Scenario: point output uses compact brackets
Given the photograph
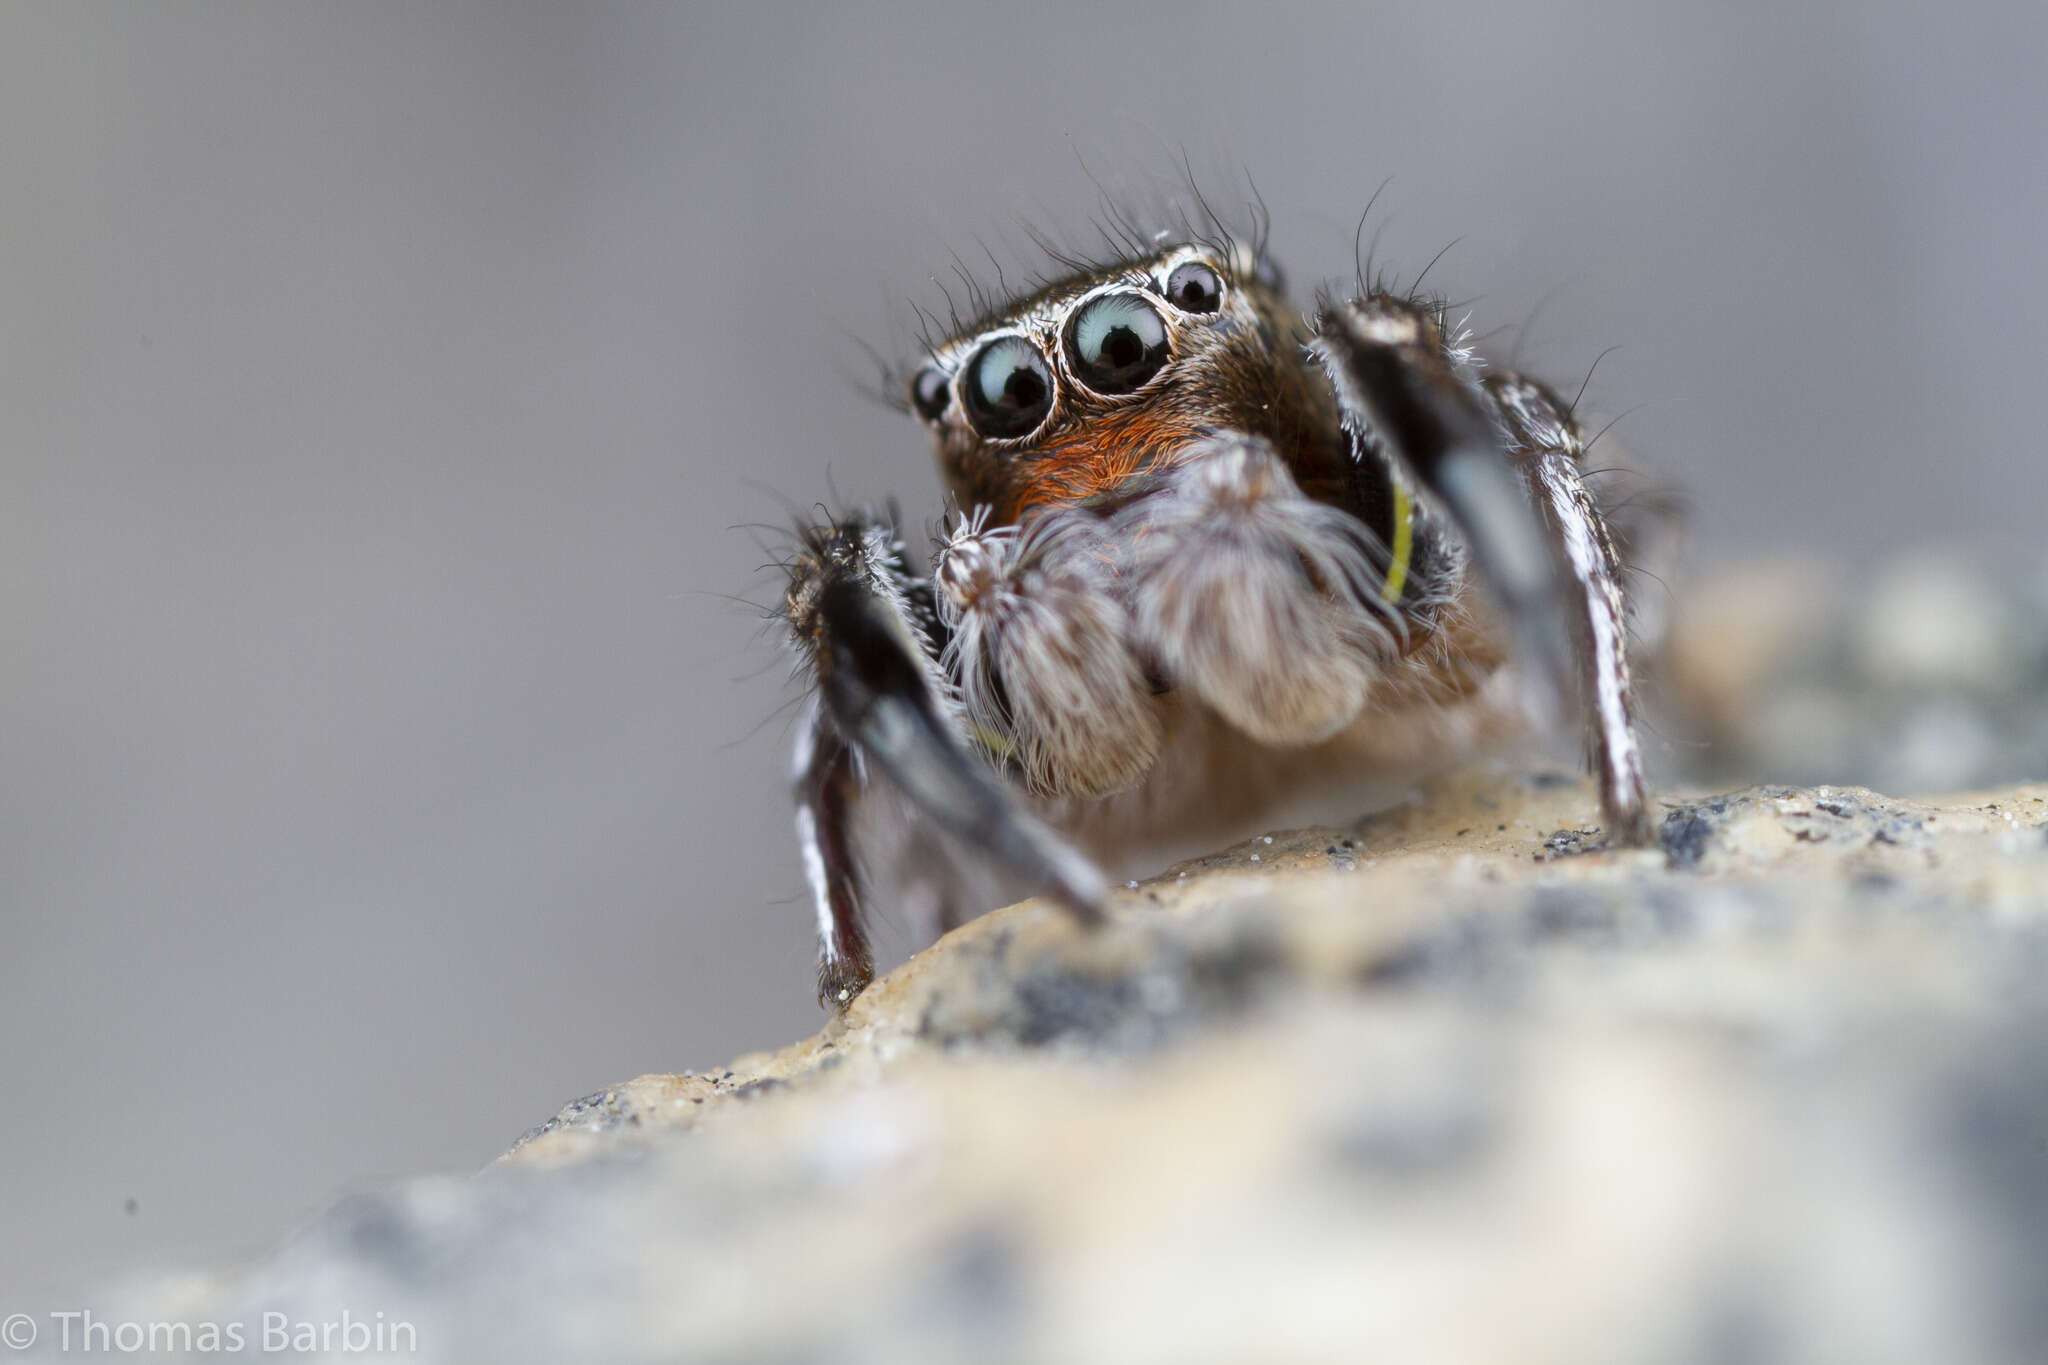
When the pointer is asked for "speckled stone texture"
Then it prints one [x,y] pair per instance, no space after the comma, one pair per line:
[1457,1083]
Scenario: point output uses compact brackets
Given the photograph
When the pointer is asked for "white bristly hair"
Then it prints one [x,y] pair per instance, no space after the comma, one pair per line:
[1041,650]
[1261,601]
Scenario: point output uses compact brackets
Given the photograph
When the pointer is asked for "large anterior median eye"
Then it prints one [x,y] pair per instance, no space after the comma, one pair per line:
[1008,388]
[1116,343]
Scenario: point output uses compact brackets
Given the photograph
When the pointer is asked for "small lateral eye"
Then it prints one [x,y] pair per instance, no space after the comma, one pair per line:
[1008,389]
[1194,288]
[931,393]
[1116,342]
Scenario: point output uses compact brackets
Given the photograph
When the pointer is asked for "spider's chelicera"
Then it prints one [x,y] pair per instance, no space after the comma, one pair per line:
[1210,558]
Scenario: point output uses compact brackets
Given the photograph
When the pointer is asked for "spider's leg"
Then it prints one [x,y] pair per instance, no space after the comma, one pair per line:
[1548,446]
[862,626]
[826,789]
[1401,389]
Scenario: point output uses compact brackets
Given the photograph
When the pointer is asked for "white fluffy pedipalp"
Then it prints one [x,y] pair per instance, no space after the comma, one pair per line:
[1041,651]
[1259,600]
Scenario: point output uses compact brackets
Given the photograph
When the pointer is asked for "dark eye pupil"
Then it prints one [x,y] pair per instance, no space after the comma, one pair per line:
[1116,343]
[1009,389]
[1122,348]
[1194,288]
[1023,389]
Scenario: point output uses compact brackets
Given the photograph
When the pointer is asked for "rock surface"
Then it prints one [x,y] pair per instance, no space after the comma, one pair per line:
[1454,1084]
[1457,1083]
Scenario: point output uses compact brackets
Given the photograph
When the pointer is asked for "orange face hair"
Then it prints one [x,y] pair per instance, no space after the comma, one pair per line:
[1096,460]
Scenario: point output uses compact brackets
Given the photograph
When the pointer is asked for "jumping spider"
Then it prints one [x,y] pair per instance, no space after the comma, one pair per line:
[1208,556]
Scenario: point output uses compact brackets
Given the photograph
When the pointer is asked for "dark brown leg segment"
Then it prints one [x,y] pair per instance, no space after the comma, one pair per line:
[864,630]
[1502,458]
[1549,446]
[826,789]
[1402,392]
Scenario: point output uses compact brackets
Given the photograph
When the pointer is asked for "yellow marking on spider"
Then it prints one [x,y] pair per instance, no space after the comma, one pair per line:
[995,743]
[1404,544]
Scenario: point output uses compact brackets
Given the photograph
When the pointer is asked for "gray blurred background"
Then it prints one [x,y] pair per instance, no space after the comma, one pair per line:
[379,383]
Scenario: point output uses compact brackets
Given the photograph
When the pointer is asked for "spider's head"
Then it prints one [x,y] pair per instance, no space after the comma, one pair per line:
[1069,395]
